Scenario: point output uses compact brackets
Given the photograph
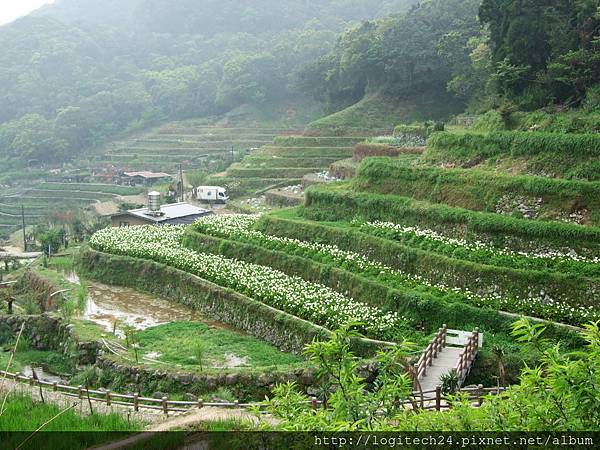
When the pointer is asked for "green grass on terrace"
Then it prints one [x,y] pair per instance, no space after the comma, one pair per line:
[273,173]
[177,343]
[266,161]
[52,362]
[26,415]
[90,187]
[317,141]
[306,152]
[67,194]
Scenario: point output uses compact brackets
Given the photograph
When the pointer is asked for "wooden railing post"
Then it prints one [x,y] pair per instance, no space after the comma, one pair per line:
[416,368]
[55,386]
[200,403]
[31,381]
[80,392]
[479,394]
[313,403]
[136,401]
[165,406]
[438,398]
[108,397]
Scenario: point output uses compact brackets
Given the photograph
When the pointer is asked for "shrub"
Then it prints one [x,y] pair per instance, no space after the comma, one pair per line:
[490,121]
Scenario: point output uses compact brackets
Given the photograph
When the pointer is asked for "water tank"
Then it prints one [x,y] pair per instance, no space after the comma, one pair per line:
[154,202]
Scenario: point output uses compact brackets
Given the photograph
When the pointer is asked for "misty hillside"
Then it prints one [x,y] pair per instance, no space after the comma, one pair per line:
[210,17]
[75,73]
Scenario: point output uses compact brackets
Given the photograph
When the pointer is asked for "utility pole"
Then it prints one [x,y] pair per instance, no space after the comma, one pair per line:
[24,233]
[181,181]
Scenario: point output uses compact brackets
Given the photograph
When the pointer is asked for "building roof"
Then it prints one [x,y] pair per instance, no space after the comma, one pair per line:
[147,175]
[175,213]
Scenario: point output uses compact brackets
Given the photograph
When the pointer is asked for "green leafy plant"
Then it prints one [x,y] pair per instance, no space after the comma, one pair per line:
[199,351]
[450,382]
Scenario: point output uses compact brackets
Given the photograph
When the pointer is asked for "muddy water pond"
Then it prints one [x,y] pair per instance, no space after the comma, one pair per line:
[107,304]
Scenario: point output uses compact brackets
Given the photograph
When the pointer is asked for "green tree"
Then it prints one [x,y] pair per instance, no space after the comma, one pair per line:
[51,241]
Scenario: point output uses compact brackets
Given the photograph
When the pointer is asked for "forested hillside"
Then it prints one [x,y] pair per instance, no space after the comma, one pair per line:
[76,73]
[486,53]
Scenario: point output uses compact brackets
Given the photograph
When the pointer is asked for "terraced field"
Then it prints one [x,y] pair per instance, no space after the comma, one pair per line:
[286,161]
[466,245]
[190,144]
[403,247]
[45,198]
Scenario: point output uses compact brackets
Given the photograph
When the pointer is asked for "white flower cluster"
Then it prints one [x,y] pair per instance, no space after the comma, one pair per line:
[402,230]
[294,295]
[239,227]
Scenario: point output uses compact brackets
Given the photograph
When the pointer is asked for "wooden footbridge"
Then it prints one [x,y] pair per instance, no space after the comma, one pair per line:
[448,350]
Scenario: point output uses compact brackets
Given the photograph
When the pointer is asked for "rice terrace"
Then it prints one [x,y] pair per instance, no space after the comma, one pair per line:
[225,223]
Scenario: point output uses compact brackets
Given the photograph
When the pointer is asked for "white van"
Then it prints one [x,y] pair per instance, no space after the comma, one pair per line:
[211,194]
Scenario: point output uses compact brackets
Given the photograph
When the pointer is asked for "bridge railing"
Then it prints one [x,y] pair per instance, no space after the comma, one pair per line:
[435,346]
[468,355]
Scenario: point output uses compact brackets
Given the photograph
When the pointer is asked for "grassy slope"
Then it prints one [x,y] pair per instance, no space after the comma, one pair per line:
[24,414]
[380,111]
[177,341]
[477,189]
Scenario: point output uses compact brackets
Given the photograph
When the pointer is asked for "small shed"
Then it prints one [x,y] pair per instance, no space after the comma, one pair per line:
[171,214]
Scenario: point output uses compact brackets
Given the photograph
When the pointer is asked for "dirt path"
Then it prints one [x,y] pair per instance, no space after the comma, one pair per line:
[207,414]
[185,421]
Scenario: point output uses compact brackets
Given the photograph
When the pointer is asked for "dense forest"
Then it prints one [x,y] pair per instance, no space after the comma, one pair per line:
[76,73]
[529,53]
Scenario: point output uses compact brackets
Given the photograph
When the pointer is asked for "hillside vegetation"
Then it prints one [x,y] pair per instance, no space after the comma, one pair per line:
[77,73]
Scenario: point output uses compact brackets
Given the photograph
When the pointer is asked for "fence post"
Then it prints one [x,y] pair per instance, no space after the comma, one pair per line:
[31,380]
[80,392]
[108,397]
[165,406]
[438,398]
[479,394]
[55,386]
[136,401]
[200,403]
[313,402]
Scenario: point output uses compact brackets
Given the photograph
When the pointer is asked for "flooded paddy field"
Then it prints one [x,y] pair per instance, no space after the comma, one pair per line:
[168,334]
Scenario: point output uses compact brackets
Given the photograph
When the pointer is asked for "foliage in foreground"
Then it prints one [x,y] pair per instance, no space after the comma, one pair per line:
[22,413]
[557,395]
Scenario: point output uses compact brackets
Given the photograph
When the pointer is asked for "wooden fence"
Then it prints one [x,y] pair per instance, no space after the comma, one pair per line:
[426,400]
[465,361]
[435,346]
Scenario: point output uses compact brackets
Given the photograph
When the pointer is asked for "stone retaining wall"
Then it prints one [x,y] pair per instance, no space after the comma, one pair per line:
[47,332]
